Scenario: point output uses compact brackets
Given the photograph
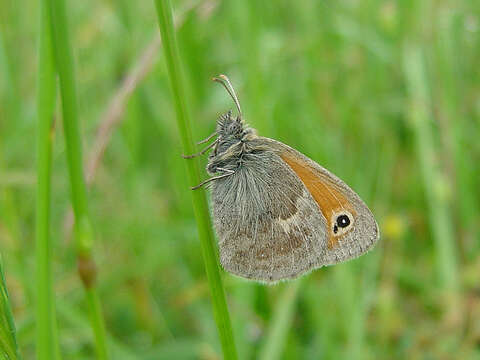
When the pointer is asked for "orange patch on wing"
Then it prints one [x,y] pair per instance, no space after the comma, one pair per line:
[328,198]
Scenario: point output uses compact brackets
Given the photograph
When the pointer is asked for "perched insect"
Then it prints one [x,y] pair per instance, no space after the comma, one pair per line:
[277,213]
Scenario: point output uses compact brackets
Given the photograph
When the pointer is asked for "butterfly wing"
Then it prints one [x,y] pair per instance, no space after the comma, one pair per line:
[268,225]
[281,215]
[351,229]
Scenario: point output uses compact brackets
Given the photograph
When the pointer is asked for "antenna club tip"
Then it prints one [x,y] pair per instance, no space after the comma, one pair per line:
[220,78]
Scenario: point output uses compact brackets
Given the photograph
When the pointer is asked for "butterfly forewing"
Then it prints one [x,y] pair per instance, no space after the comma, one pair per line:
[351,228]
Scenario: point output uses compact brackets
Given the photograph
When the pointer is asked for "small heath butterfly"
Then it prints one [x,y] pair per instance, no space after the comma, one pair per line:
[277,213]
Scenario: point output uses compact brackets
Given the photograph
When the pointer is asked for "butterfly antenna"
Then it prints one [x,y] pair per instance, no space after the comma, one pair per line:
[223,79]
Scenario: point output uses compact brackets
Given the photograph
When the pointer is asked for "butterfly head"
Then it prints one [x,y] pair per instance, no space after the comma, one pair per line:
[229,127]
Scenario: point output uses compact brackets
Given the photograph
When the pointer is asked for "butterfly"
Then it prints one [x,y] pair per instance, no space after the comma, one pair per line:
[278,214]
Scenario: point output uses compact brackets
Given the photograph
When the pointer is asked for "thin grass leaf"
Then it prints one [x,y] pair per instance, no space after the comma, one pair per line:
[453,122]
[172,57]
[83,229]
[433,180]
[47,345]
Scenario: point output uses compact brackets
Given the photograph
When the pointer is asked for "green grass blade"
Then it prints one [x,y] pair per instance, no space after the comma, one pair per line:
[47,345]
[83,230]
[97,322]
[453,124]
[433,179]
[64,61]
[8,340]
[200,206]
[281,322]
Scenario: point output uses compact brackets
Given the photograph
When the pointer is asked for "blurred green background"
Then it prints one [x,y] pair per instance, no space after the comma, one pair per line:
[385,94]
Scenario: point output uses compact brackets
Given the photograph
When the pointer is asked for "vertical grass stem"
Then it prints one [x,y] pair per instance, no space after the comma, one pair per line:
[220,310]
[433,179]
[46,344]
[83,230]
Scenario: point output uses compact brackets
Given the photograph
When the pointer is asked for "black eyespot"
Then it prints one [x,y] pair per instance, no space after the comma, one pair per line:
[343,221]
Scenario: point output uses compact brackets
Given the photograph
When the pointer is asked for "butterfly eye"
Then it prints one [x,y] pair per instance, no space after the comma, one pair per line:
[342,221]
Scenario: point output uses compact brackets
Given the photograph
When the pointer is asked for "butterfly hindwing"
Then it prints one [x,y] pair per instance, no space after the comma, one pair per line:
[268,224]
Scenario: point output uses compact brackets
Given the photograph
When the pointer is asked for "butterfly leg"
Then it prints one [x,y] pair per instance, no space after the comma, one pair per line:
[226,172]
[201,152]
[207,139]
